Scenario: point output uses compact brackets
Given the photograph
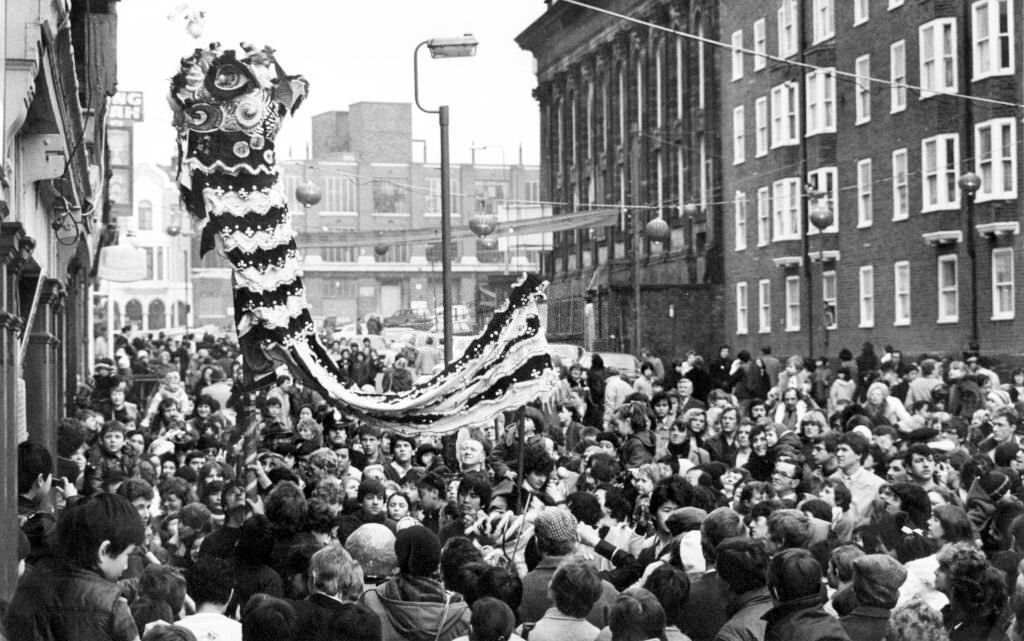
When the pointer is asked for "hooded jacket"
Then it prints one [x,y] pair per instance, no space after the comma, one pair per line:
[803,620]
[747,622]
[638,449]
[417,609]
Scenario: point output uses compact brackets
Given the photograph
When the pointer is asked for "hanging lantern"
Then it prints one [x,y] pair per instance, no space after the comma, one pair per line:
[691,209]
[821,215]
[308,193]
[482,225]
[381,249]
[489,243]
[657,230]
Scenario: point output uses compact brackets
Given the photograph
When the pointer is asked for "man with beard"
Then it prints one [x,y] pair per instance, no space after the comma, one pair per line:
[221,542]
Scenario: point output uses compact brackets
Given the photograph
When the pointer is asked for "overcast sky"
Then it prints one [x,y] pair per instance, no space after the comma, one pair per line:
[352,52]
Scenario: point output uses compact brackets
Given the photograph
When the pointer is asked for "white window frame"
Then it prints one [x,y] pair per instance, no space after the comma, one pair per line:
[901,293]
[785,114]
[865,200]
[823,22]
[861,11]
[895,4]
[787,28]
[900,185]
[760,44]
[866,296]
[742,316]
[948,312]
[737,54]
[761,126]
[821,101]
[999,313]
[786,209]
[937,61]
[996,170]
[793,311]
[740,222]
[829,296]
[945,172]
[764,216]
[988,42]
[825,179]
[862,90]
[739,135]
[764,306]
[898,76]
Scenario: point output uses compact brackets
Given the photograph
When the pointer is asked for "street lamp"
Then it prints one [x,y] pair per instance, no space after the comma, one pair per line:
[459,47]
[822,217]
[174,230]
[969,184]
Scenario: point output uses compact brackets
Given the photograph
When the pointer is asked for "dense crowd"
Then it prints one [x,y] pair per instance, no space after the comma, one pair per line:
[742,498]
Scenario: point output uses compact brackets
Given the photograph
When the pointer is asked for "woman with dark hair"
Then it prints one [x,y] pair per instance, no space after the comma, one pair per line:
[948,526]
[761,461]
[686,439]
[909,498]
[976,592]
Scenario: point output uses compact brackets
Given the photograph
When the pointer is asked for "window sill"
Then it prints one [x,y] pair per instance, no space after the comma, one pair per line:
[898,110]
[862,121]
[948,321]
[985,198]
[1003,317]
[940,207]
[351,214]
[865,225]
[1001,73]
[866,326]
[900,219]
[901,324]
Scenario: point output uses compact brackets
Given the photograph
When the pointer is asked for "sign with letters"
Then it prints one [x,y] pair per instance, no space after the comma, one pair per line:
[127,105]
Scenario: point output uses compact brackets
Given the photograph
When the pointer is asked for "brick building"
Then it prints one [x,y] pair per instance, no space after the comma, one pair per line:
[895,267]
[364,161]
[630,119]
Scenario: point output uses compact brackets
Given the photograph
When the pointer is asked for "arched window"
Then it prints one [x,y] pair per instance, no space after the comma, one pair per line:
[181,314]
[157,314]
[117,316]
[133,313]
[145,215]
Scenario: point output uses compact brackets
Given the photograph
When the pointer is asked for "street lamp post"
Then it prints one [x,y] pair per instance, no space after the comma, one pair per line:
[822,217]
[459,47]
[969,184]
[174,231]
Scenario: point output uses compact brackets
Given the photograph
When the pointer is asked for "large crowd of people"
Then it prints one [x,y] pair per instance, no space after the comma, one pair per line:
[745,498]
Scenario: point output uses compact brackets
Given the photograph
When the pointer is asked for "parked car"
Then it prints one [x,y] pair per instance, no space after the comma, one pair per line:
[625,364]
[414,318]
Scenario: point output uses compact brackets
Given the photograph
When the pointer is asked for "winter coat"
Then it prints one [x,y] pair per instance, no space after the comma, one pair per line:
[638,449]
[803,620]
[866,623]
[746,623]
[417,609]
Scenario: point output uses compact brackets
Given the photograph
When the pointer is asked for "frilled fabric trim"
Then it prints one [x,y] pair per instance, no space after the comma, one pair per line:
[263,259]
[267,280]
[240,204]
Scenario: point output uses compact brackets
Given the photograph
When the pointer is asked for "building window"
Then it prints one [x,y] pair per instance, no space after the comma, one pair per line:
[992,38]
[785,102]
[764,217]
[737,54]
[900,190]
[787,28]
[792,303]
[1002,283]
[740,203]
[764,306]
[861,11]
[739,135]
[937,40]
[865,215]
[828,295]
[760,44]
[862,104]
[895,4]
[939,155]
[339,254]
[867,296]
[823,26]
[949,289]
[901,292]
[821,102]
[995,152]
[741,308]
[786,208]
[339,195]
[434,195]
[823,180]
[145,215]
[898,76]
[760,126]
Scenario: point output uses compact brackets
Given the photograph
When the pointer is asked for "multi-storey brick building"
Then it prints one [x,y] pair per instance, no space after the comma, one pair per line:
[900,264]
[363,162]
[630,119]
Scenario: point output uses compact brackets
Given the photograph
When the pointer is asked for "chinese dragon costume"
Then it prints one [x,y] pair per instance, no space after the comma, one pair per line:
[228,108]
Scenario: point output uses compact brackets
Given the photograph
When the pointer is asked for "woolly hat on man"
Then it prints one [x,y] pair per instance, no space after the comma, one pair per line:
[555,525]
[877,579]
[418,551]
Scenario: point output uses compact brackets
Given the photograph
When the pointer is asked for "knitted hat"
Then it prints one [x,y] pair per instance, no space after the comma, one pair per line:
[357,623]
[877,579]
[418,551]
[685,519]
[995,484]
[373,546]
[555,525]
